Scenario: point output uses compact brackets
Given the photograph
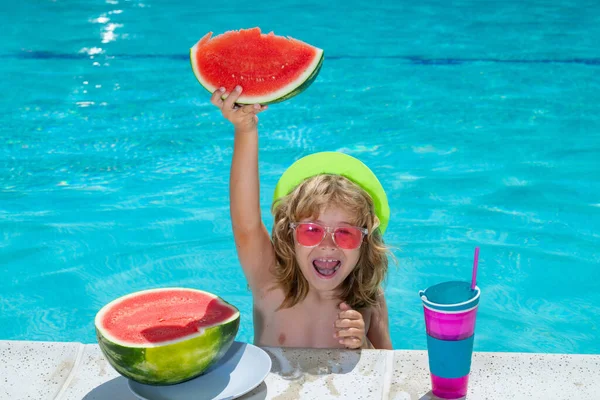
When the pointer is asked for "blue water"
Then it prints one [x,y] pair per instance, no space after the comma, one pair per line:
[481,120]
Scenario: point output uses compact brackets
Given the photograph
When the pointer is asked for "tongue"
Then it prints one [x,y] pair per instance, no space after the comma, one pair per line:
[325,264]
[326,272]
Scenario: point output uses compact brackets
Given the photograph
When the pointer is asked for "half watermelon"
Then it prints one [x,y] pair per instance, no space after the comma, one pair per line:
[269,68]
[166,336]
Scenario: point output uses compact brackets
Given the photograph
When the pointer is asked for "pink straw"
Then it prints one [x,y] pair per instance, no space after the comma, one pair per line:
[474,277]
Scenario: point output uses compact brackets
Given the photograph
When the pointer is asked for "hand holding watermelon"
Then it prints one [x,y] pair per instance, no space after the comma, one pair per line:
[243,118]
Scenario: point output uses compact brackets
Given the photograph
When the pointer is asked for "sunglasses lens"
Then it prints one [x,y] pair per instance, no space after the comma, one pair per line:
[309,234]
[348,237]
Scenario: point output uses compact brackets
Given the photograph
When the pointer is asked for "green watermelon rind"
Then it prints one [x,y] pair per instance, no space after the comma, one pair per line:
[289,91]
[175,362]
[302,87]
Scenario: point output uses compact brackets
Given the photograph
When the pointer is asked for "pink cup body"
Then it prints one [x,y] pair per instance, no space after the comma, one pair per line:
[445,326]
[450,326]
[445,388]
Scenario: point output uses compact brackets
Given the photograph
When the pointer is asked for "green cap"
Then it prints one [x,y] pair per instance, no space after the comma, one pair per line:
[331,162]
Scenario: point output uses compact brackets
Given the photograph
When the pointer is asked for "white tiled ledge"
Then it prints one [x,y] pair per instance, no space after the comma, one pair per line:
[74,371]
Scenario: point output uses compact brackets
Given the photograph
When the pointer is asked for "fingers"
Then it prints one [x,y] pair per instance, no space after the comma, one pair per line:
[350,327]
[242,116]
[352,342]
[350,332]
[216,97]
[349,319]
[349,323]
[229,102]
[349,314]
[252,109]
[351,337]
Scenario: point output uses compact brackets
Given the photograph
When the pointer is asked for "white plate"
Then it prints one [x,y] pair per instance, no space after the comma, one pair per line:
[241,369]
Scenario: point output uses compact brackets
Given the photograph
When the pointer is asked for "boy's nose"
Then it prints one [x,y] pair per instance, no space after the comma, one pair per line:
[328,241]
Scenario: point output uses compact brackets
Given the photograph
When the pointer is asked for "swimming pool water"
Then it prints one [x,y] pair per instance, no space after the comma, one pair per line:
[480,119]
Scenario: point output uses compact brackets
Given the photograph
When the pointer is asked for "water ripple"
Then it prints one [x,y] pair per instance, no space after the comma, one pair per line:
[108,36]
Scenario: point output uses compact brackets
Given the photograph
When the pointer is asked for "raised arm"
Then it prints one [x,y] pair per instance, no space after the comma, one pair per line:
[253,244]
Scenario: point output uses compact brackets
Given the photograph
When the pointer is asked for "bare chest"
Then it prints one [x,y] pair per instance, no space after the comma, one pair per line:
[304,325]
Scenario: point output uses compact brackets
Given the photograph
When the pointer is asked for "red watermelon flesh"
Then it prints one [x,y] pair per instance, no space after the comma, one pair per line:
[156,317]
[269,68]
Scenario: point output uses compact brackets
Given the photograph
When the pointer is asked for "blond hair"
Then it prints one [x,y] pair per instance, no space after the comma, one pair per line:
[307,200]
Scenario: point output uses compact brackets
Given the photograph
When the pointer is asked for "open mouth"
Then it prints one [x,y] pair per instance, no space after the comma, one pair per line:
[326,267]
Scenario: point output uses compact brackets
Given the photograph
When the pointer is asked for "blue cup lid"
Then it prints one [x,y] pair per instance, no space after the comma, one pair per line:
[453,296]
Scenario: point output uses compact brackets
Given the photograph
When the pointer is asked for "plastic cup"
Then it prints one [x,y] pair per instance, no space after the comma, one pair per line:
[450,312]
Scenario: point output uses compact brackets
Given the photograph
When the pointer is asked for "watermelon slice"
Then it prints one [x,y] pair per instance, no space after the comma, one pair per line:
[269,68]
[166,336]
